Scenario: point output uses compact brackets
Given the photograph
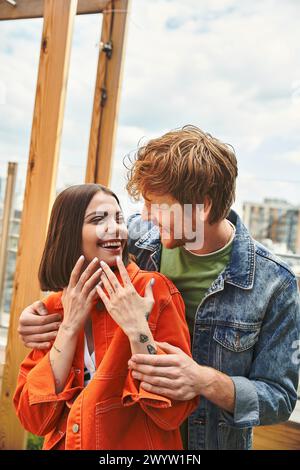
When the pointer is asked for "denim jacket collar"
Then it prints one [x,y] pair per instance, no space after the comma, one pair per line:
[241,268]
[150,240]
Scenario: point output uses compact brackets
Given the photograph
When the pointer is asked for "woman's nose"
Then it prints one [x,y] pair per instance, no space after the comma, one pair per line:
[113,228]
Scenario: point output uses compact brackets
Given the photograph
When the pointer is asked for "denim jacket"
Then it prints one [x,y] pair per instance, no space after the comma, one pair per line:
[247,326]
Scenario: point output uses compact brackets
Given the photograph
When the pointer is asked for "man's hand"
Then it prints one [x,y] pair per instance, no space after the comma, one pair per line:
[36,327]
[177,376]
[174,375]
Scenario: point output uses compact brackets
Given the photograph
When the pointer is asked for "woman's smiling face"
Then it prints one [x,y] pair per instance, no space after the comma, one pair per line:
[104,231]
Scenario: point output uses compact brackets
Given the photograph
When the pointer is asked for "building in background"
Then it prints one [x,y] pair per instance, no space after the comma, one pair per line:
[275,223]
[9,265]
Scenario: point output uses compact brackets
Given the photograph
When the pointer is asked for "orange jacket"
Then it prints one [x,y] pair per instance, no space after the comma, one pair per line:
[112,411]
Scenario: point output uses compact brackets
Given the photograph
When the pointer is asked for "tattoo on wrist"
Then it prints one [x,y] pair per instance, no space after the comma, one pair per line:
[143,338]
[151,349]
[56,349]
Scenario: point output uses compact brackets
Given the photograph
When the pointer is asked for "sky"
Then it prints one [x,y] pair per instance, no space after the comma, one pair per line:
[230,67]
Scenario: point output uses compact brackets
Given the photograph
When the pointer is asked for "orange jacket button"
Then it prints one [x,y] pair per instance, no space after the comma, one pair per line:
[75,428]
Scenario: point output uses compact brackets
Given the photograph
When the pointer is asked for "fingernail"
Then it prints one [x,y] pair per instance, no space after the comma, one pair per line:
[95,260]
[118,259]
[152,282]
[81,257]
[102,263]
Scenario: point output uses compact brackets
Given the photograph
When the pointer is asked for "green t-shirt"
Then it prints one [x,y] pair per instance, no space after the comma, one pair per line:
[193,275]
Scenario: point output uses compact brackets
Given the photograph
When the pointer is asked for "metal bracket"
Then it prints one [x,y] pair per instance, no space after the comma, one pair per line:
[107,48]
[103,97]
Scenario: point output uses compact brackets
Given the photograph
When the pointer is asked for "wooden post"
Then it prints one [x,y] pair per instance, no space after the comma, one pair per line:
[107,93]
[35,8]
[39,194]
[7,212]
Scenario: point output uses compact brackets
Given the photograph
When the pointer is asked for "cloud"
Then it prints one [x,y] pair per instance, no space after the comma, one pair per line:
[293,156]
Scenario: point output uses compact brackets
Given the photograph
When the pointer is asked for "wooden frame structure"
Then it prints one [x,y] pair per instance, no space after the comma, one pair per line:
[55,51]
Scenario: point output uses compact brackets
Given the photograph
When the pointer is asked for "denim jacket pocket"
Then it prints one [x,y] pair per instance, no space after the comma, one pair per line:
[237,337]
[234,347]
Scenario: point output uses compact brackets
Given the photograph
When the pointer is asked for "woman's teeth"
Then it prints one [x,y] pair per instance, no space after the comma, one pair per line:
[111,245]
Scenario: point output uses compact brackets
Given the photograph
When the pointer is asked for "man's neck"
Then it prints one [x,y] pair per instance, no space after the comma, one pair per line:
[216,236]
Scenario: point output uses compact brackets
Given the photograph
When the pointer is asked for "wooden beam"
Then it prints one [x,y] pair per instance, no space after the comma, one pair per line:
[109,75]
[284,436]
[39,195]
[35,8]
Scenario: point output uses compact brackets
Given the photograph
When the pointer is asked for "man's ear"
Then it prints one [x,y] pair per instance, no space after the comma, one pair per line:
[207,203]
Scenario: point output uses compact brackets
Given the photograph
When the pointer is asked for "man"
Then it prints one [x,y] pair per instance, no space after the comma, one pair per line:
[242,302]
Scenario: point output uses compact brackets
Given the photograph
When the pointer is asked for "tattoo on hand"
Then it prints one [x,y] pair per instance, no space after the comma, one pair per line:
[143,338]
[151,349]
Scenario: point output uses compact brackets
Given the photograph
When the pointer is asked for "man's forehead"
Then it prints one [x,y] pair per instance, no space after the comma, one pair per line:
[155,198]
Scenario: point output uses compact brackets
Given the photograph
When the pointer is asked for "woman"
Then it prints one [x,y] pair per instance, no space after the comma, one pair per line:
[79,394]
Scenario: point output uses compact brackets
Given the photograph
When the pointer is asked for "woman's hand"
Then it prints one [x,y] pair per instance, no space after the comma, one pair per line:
[77,298]
[128,309]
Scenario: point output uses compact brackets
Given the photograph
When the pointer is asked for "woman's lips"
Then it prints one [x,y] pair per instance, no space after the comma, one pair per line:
[112,250]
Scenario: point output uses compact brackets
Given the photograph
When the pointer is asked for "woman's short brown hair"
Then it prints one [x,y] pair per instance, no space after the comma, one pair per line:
[189,164]
[64,238]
